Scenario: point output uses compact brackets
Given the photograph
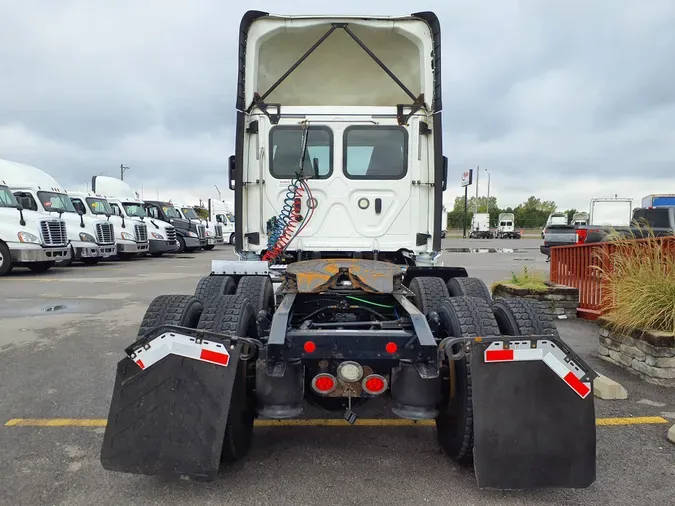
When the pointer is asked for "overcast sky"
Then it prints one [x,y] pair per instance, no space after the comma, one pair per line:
[565,100]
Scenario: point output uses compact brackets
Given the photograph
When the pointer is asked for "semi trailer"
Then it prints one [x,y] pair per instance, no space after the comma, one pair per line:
[337,301]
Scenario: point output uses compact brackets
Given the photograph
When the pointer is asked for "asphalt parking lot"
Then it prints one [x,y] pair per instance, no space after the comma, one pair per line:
[61,334]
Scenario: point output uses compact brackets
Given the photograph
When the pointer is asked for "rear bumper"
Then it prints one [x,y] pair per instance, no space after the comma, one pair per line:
[124,246]
[546,250]
[22,252]
[93,250]
[157,246]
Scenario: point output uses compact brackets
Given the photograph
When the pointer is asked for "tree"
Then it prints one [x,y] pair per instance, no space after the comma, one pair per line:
[202,212]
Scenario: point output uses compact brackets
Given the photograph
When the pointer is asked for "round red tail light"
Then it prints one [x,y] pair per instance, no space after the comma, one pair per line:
[374,384]
[324,383]
[391,347]
[309,347]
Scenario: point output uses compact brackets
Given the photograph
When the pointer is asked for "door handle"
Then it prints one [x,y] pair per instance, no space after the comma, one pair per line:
[378,205]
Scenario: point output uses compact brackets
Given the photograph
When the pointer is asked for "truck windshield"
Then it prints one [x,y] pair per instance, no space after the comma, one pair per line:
[7,198]
[171,211]
[230,217]
[134,209]
[99,206]
[53,201]
[189,213]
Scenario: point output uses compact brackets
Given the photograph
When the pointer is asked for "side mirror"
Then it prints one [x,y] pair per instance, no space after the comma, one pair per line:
[232,163]
[445,173]
[79,211]
[19,207]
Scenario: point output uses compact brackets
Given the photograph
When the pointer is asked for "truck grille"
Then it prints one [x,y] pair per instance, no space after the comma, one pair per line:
[54,233]
[170,234]
[201,231]
[105,233]
[141,232]
[219,231]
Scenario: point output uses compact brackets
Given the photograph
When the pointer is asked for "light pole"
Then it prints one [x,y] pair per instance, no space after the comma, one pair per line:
[488,193]
[218,192]
[123,169]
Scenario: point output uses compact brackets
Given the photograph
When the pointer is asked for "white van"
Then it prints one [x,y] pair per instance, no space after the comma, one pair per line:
[91,238]
[90,203]
[29,238]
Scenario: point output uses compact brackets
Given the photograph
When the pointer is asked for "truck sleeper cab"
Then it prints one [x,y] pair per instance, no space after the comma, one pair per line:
[28,238]
[189,236]
[128,243]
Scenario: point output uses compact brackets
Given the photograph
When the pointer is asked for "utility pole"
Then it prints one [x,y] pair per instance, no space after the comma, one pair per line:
[218,192]
[488,196]
[477,174]
[123,169]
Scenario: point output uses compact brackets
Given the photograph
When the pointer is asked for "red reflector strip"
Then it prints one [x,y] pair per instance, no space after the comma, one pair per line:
[215,357]
[140,364]
[498,355]
[577,385]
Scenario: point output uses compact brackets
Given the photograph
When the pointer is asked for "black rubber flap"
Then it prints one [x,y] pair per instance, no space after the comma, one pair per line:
[169,419]
[531,430]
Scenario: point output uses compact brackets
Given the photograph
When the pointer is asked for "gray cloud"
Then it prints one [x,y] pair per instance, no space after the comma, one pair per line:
[564,99]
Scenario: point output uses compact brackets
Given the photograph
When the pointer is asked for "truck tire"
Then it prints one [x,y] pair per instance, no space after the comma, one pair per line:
[210,288]
[469,287]
[461,317]
[181,244]
[209,247]
[259,290]
[40,266]
[180,310]
[69,261]
[429,293]
[523,317]
[5,259]
[90,261]
[233,314]
[231,238]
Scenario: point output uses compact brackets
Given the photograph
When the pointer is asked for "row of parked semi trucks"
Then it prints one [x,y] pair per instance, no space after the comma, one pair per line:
[42,224]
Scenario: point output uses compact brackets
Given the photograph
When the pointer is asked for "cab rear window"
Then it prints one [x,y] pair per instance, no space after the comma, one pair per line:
[375,152]
[286,152]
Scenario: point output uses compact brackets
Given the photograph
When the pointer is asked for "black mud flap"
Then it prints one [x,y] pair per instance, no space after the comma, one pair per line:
[532,427]
[169,419]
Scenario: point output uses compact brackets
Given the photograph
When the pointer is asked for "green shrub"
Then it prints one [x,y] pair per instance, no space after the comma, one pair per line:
[530,280]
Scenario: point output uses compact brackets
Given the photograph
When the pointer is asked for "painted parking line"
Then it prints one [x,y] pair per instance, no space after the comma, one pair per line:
[310,422]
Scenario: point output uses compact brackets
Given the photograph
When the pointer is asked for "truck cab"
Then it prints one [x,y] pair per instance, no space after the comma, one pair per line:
[214,231]
[91,238]
[125,203]
[189,236]
[222,213]
[506,227]
[29,238]
[90,203]
[480,226]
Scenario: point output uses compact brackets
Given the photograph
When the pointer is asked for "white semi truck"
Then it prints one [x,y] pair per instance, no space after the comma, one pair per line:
[214,231]
[29,238]
[92,239]
[338,176]
[125,203]
[222,212]
[90,203]
[506,226]
[480,226]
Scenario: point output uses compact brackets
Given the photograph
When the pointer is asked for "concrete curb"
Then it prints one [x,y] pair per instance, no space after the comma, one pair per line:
[605,388]
[671,434]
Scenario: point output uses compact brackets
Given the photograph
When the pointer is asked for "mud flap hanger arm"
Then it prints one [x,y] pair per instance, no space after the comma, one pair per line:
[259,100]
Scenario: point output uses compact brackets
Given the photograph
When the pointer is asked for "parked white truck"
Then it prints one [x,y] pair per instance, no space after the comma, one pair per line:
[444,222]
[29,238]
[480,226]
[91,238]
[506,227]
[90,203]
[125,203]
[222,212]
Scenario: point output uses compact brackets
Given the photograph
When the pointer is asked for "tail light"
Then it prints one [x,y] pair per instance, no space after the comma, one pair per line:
[581,236]
[374,384]
[324,383]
